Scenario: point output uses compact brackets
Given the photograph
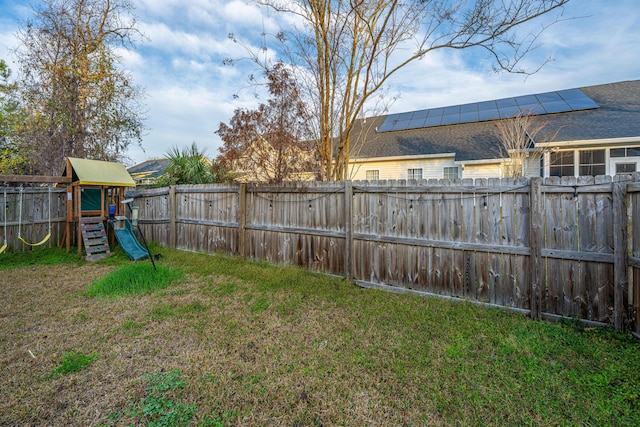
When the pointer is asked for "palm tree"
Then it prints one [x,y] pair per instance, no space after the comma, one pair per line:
[187,166]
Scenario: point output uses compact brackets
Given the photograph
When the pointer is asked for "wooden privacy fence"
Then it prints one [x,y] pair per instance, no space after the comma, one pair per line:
[31,213]
[559,247]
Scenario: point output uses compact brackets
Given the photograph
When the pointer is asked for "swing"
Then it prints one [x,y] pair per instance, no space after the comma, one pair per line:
[48,236]
[4,211]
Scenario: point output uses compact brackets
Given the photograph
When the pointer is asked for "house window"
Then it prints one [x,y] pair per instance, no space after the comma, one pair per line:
[561,163]
[592,163]
[451,172]
[625,152]
[414,173]
[373,175]
[625,168]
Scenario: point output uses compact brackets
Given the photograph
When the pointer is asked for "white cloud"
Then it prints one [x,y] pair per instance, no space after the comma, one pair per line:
[598,47]
[243,13]
[190,92]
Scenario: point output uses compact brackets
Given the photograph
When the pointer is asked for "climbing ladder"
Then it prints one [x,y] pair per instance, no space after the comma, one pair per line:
[94,236]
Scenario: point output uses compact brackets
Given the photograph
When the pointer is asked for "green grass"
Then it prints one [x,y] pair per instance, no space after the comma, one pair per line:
[158,408]
[259,344]
[471,362]
[39,256]
[73,362]
[134,278]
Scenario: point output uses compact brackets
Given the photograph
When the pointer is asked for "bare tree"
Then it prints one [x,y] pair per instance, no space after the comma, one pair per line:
[79,103]
[347,50]
[519,136]
[271,143]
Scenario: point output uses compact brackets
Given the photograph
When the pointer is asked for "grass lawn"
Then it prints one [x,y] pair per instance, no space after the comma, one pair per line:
[215,341]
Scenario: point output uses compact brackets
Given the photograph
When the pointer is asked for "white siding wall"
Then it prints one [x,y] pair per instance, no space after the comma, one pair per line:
[481,171]
[431,168]
[533,169]
[397,169]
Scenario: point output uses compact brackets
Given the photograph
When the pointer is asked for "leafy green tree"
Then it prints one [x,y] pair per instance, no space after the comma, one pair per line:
[12,161]
[188,165]
[80,103]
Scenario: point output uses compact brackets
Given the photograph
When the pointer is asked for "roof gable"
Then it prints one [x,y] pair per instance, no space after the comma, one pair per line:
[98,172]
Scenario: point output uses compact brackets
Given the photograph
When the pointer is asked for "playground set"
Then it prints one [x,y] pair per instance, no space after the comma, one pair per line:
[95,199]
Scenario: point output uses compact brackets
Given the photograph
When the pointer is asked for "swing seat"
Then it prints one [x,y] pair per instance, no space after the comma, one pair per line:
[42,242]
[4,247]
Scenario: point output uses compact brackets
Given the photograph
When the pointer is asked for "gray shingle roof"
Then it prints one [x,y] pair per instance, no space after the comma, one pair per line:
[154,167]
[617,117]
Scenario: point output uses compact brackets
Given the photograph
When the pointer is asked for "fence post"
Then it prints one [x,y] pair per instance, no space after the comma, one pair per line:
[620,279]
[172,217]
[535,245]
[348,229]
[242,221]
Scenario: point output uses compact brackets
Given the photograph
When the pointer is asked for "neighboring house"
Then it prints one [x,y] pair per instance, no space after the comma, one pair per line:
[148,172]
[262,163]
[589,131]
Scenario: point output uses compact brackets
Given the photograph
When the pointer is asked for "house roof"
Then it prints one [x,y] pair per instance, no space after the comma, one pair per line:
[98,172]
[151,168]
[618,116]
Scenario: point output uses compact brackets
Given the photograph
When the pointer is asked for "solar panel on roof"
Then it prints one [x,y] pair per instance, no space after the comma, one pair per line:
[506,103]
[486,105]
[400,124]
[386,126]
[405,116]
[433,121]
[416,122]
[548,97]
[450,119]
[469,117]
[526,100]
[571,94]
[542,103]
[510,111]
[421,114]
[467,108]
[581,103]
[488,114]
[532,109]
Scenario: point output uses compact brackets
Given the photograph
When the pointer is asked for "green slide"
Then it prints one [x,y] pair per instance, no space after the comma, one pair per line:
[129,243]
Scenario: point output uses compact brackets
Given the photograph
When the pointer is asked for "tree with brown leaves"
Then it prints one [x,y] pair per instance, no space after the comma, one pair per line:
[271,143]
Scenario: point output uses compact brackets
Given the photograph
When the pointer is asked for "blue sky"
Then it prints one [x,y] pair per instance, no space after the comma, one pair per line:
[189,91]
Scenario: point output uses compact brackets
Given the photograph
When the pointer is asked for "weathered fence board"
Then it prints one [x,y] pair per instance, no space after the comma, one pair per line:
[634,261]
[31,213]
[489,240]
